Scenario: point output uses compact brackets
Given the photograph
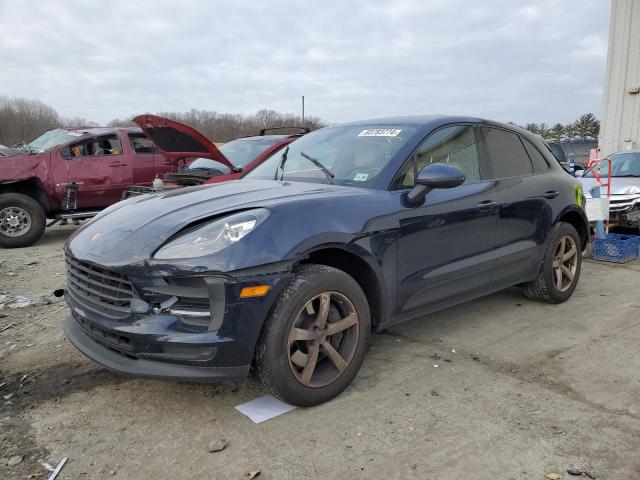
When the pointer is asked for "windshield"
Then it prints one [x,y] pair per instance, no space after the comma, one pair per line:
[622,165]
[49,140]
[346,155]
[243,151]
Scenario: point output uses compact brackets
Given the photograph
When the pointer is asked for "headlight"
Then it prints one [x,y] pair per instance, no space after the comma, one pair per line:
[213,237]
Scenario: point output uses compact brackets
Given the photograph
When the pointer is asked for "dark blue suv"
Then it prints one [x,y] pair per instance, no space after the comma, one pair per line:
[349,230]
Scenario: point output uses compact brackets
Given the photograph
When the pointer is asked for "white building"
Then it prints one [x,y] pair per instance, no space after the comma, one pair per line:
[620,129]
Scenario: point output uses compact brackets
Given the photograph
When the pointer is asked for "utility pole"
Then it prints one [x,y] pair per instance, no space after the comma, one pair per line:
[303,111]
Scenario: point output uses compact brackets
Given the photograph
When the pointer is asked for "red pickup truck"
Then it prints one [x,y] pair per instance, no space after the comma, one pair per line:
[72,174]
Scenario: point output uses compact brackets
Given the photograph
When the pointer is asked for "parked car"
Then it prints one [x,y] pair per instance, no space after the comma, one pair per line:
[71,174]
[212,164]
[351,229]
[624,204]
[558,152]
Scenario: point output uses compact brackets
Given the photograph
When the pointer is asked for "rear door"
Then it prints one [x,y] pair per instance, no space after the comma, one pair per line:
[143,152]
[525,193]
[445,246]
[100,169]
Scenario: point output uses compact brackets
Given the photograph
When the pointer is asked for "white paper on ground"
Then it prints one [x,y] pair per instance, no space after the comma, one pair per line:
[264,408]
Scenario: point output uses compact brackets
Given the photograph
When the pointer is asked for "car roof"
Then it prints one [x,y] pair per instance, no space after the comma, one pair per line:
[100,130]
[262,137]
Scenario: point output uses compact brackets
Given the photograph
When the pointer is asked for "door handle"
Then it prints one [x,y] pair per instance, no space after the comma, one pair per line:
[117,164]
[486,205]
[551,194]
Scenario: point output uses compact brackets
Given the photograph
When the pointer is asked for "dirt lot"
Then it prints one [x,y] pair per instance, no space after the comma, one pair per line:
[522,389]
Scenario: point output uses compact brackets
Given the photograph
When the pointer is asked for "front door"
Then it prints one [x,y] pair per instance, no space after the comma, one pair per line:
[445,246]
[99,169]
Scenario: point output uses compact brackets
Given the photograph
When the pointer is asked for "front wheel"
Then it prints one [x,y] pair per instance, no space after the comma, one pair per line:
[22,220]
[316,337]
[560,269]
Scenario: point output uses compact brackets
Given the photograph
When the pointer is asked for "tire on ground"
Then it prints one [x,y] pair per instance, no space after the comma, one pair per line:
[271,362]
[37,216]
[544,288]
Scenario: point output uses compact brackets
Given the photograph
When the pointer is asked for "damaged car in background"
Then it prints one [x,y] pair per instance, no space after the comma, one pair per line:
[624,204]
[71,174]
[213,163]
[349,230]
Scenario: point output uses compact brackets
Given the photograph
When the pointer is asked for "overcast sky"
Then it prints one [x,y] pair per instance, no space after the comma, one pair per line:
[501,59]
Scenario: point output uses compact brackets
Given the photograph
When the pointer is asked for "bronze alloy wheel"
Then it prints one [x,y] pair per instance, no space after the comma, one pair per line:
[323,339]
[565,263]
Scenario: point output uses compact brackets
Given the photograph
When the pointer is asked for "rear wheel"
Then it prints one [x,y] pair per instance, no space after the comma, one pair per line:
[22,220]
[315,339]
[560,269]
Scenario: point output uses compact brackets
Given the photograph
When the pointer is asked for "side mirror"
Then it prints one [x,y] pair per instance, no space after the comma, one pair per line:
[66,153]
[579,173]
[435,175]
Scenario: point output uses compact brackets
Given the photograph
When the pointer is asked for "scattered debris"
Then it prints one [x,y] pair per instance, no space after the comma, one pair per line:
[435,366]
[15,460]
[534,413]
[264,408]
[7,327]
[55,473]
[475,358]
[254,474]
[217,445]
[359,434]
[46,465]
[453,350]
[434,393]
[436,356]
[553,476]
[22,301]
[7,397]
[591,475]
[573,471]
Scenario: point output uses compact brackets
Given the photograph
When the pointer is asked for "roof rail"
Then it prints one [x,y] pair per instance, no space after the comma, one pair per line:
[302,129]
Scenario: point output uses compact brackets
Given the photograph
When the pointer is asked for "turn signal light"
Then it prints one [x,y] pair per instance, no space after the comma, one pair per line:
[256,291]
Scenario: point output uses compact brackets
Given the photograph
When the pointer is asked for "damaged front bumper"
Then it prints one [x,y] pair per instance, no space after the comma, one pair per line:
[183,327]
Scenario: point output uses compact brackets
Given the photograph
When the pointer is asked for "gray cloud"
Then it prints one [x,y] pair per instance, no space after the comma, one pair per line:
[522,61]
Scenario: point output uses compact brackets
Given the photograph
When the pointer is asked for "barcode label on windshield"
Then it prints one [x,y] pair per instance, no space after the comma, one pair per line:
[380,132]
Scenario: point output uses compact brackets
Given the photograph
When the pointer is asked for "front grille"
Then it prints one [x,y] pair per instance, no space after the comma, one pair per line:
[98,289]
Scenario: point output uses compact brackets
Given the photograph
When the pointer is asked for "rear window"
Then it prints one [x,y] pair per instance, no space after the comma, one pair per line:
[507,155]
[141,143]
[540,163]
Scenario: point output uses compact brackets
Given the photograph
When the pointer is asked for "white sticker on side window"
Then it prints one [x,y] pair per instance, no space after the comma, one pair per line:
[361,177]
[380,132]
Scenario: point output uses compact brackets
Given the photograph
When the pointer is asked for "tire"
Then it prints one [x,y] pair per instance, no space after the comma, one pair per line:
[280,362]
[22,220]
[545,287]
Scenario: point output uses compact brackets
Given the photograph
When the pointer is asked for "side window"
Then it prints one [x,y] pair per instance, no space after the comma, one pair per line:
[141,144]
[540,163]
[109,145]
[454,145]
[507,155]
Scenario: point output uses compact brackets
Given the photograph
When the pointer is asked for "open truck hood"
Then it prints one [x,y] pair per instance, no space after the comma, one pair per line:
[177,140]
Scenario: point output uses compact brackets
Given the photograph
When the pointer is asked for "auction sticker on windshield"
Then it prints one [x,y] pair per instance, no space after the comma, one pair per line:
[380,132]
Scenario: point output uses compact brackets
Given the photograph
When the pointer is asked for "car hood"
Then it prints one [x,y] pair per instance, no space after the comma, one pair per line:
[129,232]
[177,140]
[619,185]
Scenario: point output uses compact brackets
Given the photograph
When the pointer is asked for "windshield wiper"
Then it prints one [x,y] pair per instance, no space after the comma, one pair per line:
[317,163]
[283,160]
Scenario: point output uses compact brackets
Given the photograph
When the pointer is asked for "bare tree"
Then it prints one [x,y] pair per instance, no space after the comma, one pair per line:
[23,120]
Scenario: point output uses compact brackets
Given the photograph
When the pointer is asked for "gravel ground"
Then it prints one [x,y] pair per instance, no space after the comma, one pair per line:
[519,390]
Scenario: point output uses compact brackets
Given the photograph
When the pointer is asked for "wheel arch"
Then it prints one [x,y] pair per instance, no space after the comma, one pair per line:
[578,219]
[32,187]
[359,269]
